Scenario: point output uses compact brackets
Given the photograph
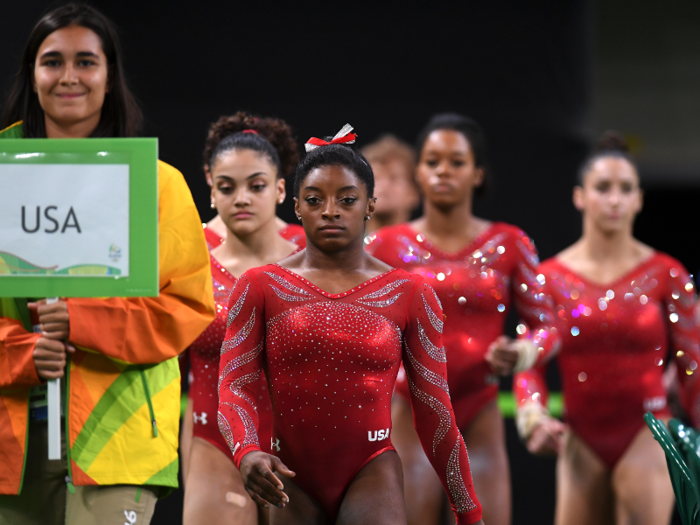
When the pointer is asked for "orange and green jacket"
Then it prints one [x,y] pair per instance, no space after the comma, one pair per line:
[123,382]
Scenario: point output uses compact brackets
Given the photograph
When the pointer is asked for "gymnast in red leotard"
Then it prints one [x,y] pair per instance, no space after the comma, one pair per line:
[247,167]
[330,326]
[478,269]
[623,309]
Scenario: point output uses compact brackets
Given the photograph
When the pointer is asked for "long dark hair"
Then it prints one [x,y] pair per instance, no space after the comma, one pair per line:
[121,116]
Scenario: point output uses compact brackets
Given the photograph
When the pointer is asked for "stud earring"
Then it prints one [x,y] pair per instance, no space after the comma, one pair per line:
[213,206]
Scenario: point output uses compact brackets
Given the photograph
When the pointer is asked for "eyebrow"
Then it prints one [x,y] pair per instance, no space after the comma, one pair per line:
[79,53]
[344,188]
[256,174]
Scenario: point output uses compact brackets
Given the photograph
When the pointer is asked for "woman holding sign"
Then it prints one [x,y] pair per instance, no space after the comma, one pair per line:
[117,356]
[247,169]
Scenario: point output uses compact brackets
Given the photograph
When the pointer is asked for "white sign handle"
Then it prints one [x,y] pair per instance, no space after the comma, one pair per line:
[53,398]
[53,394]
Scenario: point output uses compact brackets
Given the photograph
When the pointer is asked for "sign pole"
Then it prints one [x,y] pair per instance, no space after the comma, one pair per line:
[53,398]
[53,395]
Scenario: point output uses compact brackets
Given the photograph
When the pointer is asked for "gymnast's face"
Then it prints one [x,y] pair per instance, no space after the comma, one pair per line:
[610,196]
[71,78]
[446,173]
[245,190]
[333,204]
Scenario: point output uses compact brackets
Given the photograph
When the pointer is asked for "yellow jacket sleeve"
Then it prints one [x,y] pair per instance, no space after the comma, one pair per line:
[145,330]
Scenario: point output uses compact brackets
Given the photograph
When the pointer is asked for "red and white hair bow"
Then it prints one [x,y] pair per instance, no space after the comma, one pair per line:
[342,137]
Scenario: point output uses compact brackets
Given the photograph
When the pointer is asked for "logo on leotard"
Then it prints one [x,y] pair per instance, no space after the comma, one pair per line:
[377,435]
[202,418]
[274,444]
[652,404]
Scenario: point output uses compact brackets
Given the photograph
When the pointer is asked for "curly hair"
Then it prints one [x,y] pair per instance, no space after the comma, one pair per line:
[273,137]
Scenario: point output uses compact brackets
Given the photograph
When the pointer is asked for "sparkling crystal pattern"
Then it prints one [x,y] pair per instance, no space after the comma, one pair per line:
[441,410]
[455,483]
[236,308]
[433,351]
[241,336]
[427,374]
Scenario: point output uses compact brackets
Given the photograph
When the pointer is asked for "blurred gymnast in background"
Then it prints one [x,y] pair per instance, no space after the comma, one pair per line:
[247,158]
[215,234]
[623,309]
[478,268]
[393,163]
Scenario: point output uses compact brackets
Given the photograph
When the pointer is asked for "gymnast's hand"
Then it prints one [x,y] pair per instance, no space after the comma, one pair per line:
[547,437]
[257,470]
[503,355]
[53,318]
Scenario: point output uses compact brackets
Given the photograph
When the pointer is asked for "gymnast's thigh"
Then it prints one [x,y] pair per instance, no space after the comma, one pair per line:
[423,492]
[584,493]
[215,493]
[486,444]
[641,484]
[301,509]
[375,494]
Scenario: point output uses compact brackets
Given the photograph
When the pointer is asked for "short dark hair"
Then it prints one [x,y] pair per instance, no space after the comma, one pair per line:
[335,155]
[610,144]
[272,137]
[471,130]
[121,116]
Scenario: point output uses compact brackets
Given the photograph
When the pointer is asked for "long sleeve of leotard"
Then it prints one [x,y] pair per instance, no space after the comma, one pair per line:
[424,361]
[533,304]
[680,302]
[240,368]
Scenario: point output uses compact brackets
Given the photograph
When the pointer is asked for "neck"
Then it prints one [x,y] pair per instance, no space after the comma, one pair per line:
[386,219]
[349,260]
[257,245]
[446,222]
[602,246]
[75,130]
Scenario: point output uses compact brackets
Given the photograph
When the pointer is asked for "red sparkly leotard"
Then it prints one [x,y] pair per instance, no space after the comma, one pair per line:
[476,286]
[204,356]
[331,362]
[615,341]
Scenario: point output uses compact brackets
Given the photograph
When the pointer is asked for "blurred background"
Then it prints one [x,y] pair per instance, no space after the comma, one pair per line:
[544,79]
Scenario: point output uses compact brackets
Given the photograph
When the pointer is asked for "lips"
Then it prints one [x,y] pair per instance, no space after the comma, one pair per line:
[242,215]
[442,188]
[331,229]
[69,95]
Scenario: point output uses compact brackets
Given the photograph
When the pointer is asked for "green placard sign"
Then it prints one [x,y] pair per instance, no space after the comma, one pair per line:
[78,217]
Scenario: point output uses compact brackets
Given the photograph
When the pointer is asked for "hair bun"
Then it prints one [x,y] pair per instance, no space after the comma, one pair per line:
[611,141]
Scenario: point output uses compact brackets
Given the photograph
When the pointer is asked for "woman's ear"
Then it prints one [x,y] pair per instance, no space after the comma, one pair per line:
[296,209]
[281,190]
[207,174]
[479,174]
[371,206]
[579,201]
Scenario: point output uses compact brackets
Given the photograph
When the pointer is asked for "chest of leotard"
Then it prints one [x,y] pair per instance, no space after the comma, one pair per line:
[333,358]
[473,284]
[614,338]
